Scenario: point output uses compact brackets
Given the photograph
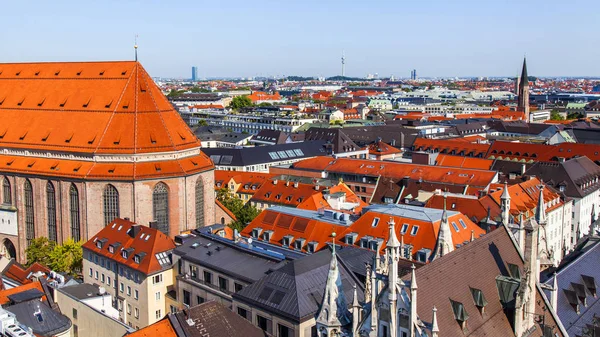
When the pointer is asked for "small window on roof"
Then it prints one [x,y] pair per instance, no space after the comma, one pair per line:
[460,313]
[404,229]
[455,226]
[414,230]
[375,222]
[462,223]
[479,299]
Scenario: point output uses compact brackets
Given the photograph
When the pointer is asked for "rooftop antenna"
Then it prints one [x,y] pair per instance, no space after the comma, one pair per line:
[135,46]
[343,64]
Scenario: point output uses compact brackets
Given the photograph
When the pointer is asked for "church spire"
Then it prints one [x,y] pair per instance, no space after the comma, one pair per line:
[392,239]
[413,301]
[333,313]
[444,243]
[523,100]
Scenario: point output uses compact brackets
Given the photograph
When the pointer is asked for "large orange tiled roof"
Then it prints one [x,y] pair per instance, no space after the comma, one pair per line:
[459,176]
[451,146]
[20,274]
[142,240]
[87,107]
[466,162]
[421,231]
[527,152]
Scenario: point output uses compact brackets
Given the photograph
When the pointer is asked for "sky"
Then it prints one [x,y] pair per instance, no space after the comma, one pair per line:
[238,38]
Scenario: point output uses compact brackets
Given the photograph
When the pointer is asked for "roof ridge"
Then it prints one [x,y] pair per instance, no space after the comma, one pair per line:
[113,113]
[159,115]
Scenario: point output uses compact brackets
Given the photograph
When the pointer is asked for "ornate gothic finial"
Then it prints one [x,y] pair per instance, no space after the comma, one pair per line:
[135,46]
[435,329]
[413,277]
[333,235]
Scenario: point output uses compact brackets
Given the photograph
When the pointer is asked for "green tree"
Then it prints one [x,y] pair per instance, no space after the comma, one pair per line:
[239,102]
[202,122]
[39,250]
[555,115]
[67,258]
[265,104]
[244,213]
[175,93]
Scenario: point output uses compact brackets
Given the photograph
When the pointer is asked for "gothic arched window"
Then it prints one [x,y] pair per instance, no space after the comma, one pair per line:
[29,212]
[51,209]
[74,210]
[160,207]
[111,204]
[6,191]
[199,203]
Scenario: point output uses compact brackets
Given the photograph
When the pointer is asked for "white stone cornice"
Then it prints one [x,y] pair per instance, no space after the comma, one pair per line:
[104,158]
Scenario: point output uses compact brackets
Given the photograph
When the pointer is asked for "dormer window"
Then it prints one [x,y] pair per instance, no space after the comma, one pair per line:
[572,298]
[514,271]
[312,246]
[403,229]
[111,249]
[479,299]
[414,230]
[124,254]
[267,235]
[99,244]
[136,259]
[460,313]
[256,232]
[590,284]
[287,240]
[350,238]
[298,244]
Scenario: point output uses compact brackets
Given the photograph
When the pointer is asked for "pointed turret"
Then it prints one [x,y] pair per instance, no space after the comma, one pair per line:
[444,243]
[355,312]
[333,313]
[505,204]
[413,301]
[392,239]
[523,100]
[435,329]
[540,213]
[554,294]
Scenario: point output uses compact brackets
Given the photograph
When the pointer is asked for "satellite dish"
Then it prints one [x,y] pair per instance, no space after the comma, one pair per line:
[250,241]
[102,290]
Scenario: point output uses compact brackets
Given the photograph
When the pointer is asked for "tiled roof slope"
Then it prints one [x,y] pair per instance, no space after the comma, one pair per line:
[123,235]
[4,294]
[161,328]
[476,265]
[466,162]
[459,176]
[213,319]
[295,291]
[580,273]
[87,107]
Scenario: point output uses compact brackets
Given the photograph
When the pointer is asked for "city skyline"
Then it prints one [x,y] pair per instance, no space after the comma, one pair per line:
[259,39]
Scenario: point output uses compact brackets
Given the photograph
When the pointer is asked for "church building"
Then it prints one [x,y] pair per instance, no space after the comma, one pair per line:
[83,143]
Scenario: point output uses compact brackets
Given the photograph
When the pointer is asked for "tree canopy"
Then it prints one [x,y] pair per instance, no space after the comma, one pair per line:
[65,258]
[239,102]
[244,213]
[555,116]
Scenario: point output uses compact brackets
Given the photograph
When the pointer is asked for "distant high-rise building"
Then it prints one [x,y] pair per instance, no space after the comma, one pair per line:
[194,73]
[523,102]
[343,65]
[413,74]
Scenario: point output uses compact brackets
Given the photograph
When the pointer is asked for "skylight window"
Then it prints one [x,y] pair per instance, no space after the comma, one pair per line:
[273,155]
[290,153]
[462,223]
[282,154]
[298,152]
[455,226]
[404,229]
[375,222]
[414,230]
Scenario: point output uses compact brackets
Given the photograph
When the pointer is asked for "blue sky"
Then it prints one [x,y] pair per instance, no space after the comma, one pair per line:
[289,37]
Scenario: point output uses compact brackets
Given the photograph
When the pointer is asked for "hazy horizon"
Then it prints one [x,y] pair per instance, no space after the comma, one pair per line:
[306,38]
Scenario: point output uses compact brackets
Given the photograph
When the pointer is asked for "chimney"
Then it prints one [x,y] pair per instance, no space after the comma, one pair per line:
[153,224]
[316,187]
[296,184]
[523,168]
[274,181]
